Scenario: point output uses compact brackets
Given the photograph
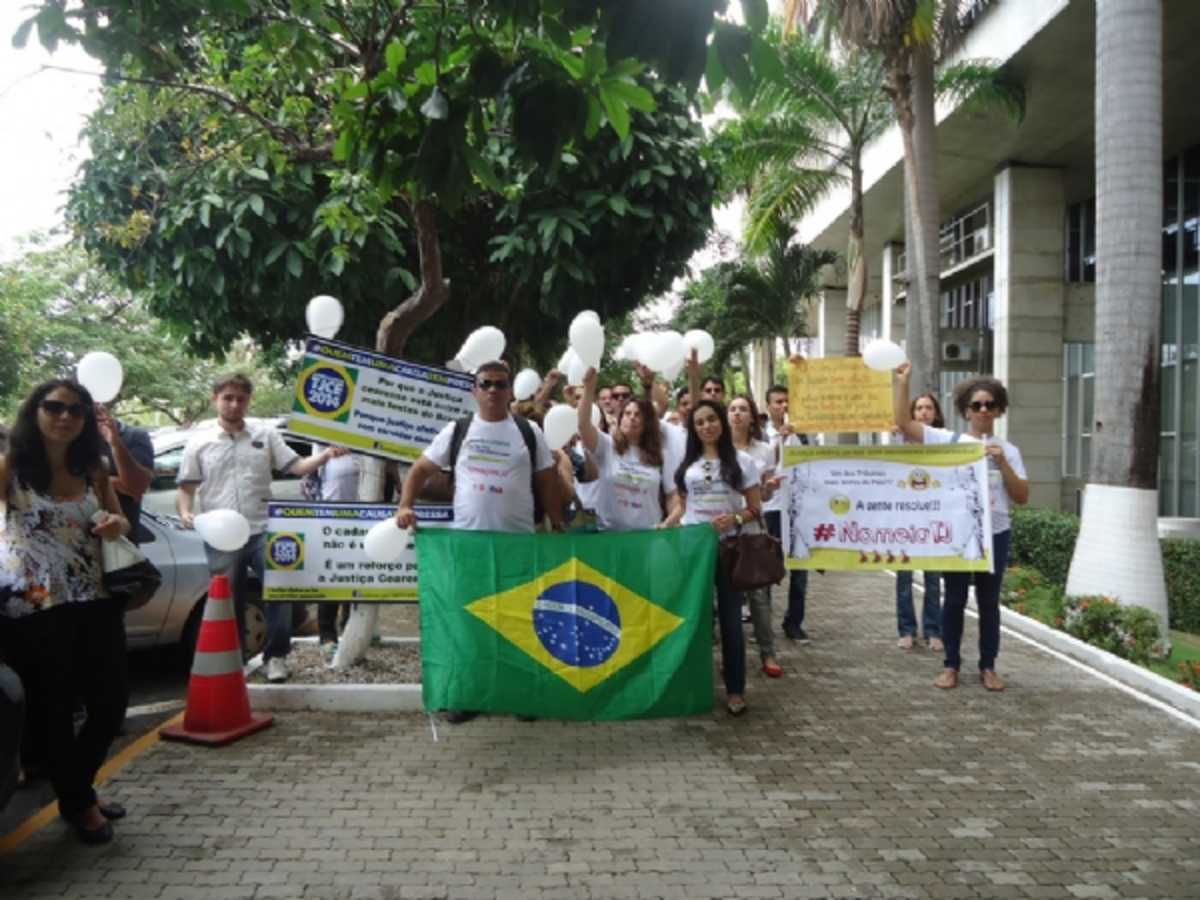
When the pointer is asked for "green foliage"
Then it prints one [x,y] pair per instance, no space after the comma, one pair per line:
[1026,591]
[1130,632]
[1181,565]
[58,305]
[1045,540]
[237,171]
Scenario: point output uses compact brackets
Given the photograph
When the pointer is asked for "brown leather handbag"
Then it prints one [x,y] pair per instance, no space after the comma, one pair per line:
[752,561]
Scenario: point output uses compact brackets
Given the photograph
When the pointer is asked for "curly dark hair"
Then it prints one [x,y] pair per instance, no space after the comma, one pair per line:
[731,472]
[650,445]
[27,449]
[964,390]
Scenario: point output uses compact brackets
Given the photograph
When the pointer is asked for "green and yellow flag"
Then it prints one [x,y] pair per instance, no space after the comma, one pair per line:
[613,625]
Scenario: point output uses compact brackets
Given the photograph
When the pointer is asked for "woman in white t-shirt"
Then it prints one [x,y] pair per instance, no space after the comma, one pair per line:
[981,401]
[718,485]
[748,438]
[632,479]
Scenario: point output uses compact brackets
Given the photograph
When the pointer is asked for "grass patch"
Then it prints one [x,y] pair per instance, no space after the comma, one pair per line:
[1185,648]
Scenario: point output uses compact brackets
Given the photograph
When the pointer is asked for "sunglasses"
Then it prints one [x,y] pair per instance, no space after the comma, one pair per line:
[981,405]
[486,384]
[621,395]
[56,408]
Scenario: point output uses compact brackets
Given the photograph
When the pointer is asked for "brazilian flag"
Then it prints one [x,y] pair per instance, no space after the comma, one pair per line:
[615,625]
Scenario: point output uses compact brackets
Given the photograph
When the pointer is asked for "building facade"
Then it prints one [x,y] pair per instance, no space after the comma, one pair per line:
[1018,250]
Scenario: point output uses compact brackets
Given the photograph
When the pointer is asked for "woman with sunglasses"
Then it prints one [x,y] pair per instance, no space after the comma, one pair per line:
[925,410]
[718,485]
[747,433]
[981,401]
[630,459]
[55,629]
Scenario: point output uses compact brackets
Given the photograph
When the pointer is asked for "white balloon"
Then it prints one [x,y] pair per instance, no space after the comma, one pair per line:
[576,369]
[638,348]
[101,374]
[482,345]
[591,314]
[386,542]
[223,529]
[701,341]
[666,351]
[587,339]
[883,355]
[560,425]
[672,372]
[526,383]
[324,315]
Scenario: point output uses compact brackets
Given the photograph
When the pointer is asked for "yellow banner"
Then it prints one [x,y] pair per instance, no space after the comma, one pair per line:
[838,394]
[960,453]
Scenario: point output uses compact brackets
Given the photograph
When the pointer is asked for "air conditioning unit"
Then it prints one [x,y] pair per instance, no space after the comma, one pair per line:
[959,351]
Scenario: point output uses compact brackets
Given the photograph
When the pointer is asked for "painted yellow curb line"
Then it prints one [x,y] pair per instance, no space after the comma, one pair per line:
[47,814]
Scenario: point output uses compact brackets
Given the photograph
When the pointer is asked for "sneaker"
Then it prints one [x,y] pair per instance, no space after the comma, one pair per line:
[796,633]
[328,652]
[905,642]
[277,670]
[936,645]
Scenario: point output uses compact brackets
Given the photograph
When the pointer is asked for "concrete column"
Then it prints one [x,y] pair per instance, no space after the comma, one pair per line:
[887,291]
[1028,319]
[832,314]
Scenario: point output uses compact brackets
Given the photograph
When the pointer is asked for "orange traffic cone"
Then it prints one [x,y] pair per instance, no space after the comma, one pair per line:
[218,705]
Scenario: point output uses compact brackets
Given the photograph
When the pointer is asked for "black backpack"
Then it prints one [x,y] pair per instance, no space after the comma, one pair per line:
[460,434]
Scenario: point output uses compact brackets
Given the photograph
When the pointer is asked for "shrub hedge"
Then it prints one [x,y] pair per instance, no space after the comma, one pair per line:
[1044,540]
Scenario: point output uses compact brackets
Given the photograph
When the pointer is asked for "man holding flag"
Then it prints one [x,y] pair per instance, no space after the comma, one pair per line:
[501,468]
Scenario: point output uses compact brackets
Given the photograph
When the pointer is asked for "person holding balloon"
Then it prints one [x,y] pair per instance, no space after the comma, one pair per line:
[55,629]
[230,467]
[632,474]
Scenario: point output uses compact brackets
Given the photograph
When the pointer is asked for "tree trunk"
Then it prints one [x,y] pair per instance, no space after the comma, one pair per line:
[856,261]
[1118,552]
[394,331]
[912,92]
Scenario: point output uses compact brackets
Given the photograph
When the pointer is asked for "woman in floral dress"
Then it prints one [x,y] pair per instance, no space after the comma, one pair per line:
[58,505]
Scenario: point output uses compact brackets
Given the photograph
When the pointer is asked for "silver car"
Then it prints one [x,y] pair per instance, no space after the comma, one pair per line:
[174,612]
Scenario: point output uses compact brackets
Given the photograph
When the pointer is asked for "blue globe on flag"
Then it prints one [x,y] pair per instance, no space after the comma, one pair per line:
[577,623]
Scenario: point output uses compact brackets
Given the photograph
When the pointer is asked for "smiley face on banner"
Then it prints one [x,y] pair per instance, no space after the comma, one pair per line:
[326,390]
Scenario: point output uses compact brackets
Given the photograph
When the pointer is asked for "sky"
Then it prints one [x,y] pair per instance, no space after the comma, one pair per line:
[42,112]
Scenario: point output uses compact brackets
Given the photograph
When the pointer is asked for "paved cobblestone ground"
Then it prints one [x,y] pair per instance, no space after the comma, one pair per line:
[851,777]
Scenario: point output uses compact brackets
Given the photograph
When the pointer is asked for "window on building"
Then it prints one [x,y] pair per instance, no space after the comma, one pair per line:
[968,304]
[1081,241]
[966,235]
[1079,382]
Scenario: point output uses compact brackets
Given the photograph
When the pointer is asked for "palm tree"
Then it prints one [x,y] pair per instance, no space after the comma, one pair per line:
[910,36]
[766,296]
[802,136]
[1121,503]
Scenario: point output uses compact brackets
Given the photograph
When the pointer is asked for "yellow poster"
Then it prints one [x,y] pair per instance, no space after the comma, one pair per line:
[838,394]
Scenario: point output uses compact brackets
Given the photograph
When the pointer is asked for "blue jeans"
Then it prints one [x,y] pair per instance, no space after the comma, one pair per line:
[733,640]
[236,566]
[987,600]
[931,609]
[798,580]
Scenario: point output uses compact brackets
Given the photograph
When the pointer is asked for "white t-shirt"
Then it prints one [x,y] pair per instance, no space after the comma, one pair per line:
[674,447]
[339,476]
[708,496]
[629,496]
[1001,518]
[492,478]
